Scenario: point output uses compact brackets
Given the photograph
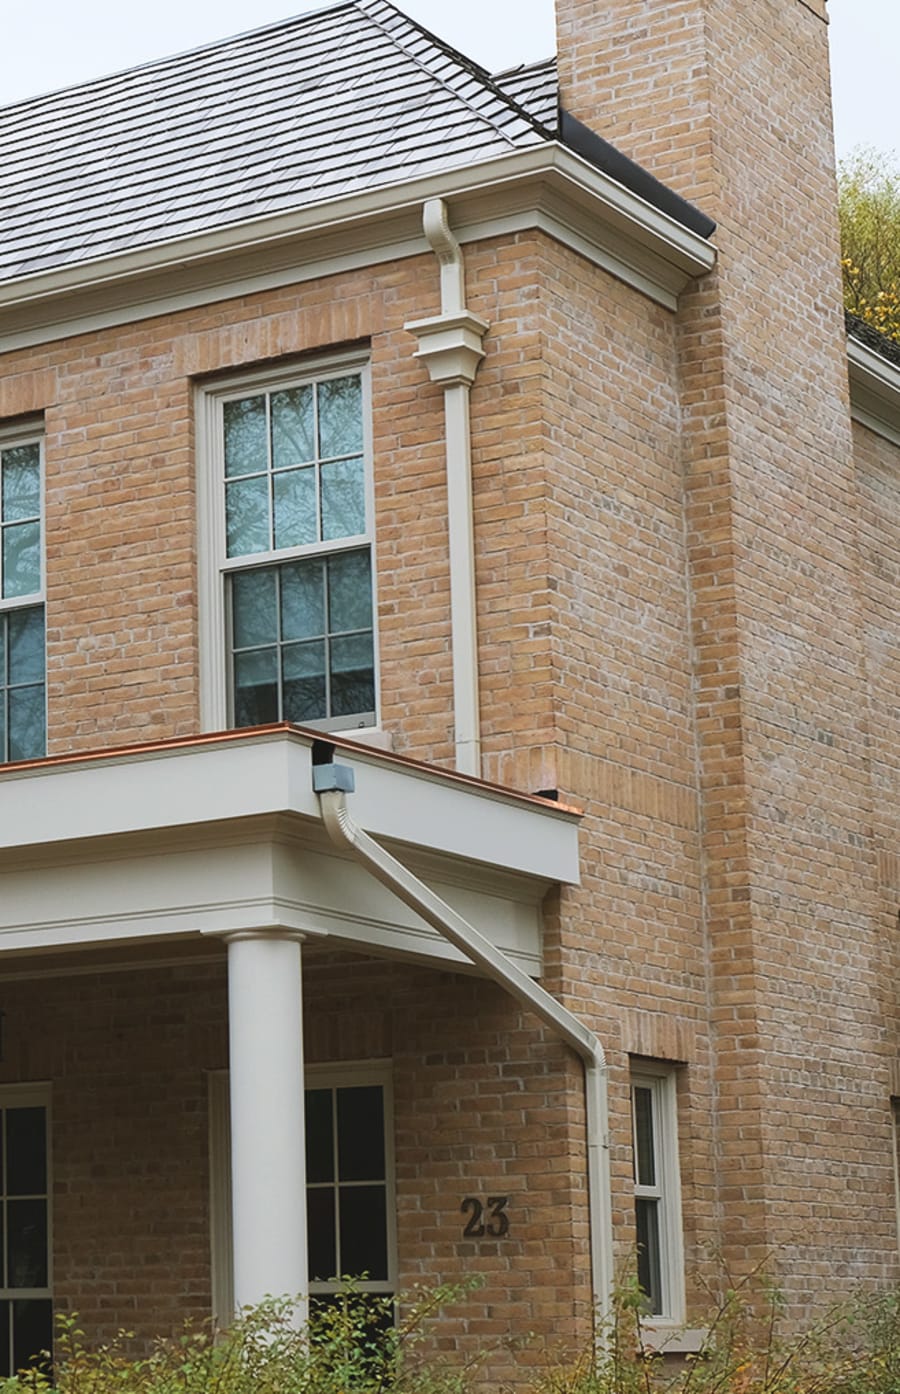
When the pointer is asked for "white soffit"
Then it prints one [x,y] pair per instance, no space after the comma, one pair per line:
[547,188]
[874,391]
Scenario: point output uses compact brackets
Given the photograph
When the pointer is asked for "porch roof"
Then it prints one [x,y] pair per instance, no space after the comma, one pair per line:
[220,833]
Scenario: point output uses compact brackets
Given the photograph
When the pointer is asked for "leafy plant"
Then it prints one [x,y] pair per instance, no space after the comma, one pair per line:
[869,208]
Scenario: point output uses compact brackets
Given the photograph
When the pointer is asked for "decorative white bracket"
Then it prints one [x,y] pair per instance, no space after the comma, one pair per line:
[451,346]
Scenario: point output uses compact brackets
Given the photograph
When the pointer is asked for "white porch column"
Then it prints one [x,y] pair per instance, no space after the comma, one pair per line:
[268,1149]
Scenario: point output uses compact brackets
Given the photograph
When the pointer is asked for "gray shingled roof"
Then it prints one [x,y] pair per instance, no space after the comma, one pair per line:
[349,98]
[535,86]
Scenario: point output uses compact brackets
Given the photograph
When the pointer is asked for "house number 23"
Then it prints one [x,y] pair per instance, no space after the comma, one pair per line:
[495,1224]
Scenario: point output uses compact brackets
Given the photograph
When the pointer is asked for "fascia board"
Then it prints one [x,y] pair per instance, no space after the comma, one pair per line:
[874,391]
[231,780]
[563,193]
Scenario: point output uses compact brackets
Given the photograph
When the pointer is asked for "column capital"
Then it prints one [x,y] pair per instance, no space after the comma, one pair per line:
[236,936]
[269,931]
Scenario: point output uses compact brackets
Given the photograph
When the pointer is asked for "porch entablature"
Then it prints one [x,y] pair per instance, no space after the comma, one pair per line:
[222,833]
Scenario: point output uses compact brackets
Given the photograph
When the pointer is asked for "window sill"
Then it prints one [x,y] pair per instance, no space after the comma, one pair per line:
[668,1339]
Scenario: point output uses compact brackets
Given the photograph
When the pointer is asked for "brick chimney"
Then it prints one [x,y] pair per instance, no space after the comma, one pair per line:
[728,101]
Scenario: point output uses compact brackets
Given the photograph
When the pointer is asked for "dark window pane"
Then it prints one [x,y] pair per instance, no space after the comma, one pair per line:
[363,1215]
[26,1151]
[6,1366]
[343,499]
[350,592]
[645,1162]
[321,1240]
[26,1243]
[319,1139]
[245,436]
[352,675]
[293,429]
[303,600]
[649,1276]
[256,687]
[254,608]
[21,483]
[3,751]
[3,677]
[340,417]
[295,507]
[26,646]
[361,1133]
[32,1331]
[247,516]
[27,719]
[304,681]
[22,559]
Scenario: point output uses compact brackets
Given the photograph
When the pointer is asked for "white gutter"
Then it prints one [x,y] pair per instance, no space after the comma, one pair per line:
[451,347]
[332,782]
[874,390]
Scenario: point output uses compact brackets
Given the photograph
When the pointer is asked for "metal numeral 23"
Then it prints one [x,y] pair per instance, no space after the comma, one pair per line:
[497,1223]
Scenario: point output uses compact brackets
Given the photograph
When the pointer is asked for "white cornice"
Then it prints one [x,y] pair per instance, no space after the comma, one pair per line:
[547,187]
[874,391]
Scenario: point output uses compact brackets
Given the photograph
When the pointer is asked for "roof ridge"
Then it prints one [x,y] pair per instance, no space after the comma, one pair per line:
[381,10]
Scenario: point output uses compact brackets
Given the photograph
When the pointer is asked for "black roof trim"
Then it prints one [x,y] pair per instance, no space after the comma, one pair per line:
[611,161]
[872,338]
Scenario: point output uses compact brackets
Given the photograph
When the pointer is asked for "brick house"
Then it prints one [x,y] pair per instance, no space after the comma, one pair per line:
[448,546]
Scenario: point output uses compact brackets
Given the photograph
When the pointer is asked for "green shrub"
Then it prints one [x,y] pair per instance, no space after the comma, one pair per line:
[350,1344]
[353,1345]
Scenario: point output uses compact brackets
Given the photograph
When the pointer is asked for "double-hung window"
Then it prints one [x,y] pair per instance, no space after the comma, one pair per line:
[26,1309]
[349,1183]
[23,719]
[657,1191]
[288,507]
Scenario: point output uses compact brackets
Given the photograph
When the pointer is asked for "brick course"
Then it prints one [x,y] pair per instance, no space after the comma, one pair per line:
[687,603]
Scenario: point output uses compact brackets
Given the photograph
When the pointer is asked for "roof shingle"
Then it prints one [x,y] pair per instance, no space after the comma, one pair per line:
[345,99]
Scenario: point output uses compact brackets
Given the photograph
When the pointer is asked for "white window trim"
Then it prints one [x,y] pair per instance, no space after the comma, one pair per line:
[344,1074]
[28,433]
[662,1083]
[31,432]
[214,565]
[34,1096]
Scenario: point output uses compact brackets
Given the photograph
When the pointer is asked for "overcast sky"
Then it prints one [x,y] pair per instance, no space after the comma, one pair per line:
[53,43]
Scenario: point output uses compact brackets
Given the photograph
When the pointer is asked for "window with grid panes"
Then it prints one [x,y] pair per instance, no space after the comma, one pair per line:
[23,728]
[347,1188]
[349,1182]
[657,1198]
[26,1309]
[297,552]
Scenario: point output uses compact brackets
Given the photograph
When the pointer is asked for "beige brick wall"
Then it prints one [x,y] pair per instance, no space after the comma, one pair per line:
[687,597]
[483,1105]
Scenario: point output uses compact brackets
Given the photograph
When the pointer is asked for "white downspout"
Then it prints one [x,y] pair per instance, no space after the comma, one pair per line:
[332,782]
[451,347]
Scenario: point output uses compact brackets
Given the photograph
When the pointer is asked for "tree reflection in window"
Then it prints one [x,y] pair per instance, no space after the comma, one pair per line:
[302,637]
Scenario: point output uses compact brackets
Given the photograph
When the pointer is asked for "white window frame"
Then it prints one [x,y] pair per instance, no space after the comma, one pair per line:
[214,564]
[338,1075]
[661,1081]
[32,1096]
[30,432]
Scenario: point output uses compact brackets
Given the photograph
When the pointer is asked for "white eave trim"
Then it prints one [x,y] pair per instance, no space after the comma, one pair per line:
[234,776]
[548,187]
[874,391]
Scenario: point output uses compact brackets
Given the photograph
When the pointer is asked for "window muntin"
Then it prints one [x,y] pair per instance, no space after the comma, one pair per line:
[26,1308]
[285,494]
[657,1193]
[23,724]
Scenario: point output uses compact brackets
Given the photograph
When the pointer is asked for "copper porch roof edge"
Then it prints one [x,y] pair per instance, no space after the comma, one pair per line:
[209,738]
